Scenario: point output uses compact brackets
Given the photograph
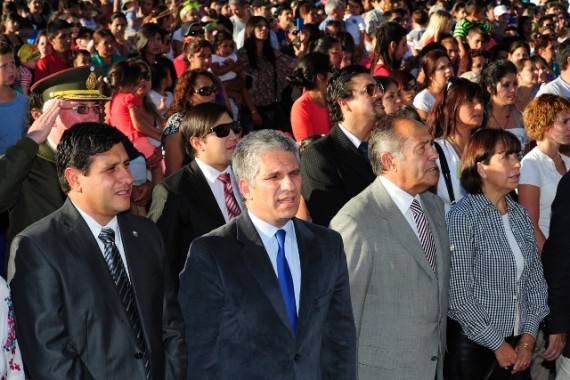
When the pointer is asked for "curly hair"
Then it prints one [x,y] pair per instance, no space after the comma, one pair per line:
[181,100]
[541,113]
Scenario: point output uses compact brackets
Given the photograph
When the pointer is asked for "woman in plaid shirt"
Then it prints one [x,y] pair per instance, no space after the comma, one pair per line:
[497,289]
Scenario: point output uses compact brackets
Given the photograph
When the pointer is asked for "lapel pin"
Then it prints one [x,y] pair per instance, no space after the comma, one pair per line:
[135,234]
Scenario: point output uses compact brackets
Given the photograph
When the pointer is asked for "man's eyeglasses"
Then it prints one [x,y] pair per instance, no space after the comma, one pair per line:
[223,130]
[410,87]
[144,75]
[83,109]
[195,32]
[206,91]
[372,89]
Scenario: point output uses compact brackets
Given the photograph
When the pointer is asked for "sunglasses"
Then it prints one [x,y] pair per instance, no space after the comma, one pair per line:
[223,130]
[82,109]
[410,87]
[206,91]
[372,89]
[194,33]
[144,75]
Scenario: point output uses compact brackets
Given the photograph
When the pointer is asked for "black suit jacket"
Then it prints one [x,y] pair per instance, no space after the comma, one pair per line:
[184,208]
[236,321]
[556,263]
[333,172]
[71,322]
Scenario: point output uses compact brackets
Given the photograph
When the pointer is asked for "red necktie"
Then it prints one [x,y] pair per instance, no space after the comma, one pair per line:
[231,202]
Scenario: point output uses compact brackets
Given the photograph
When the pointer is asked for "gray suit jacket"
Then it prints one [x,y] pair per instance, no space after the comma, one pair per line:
[71,322]
[236,321]
[399,304]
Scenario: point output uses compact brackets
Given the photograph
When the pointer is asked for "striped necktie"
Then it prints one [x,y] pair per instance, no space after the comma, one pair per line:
[231,202]
[426,237]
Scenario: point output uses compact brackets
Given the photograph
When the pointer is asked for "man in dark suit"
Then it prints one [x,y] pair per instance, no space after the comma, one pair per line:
[556,264]
[192,201]
[336,168]
[267,295]
[90,290]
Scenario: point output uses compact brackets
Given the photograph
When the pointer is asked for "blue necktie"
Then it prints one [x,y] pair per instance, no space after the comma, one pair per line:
[286,281]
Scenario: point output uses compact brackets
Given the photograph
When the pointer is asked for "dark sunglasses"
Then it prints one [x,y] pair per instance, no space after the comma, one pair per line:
[372,89]
[206,91]
[82,109]
[223,130]
[145,75]
[194,33]
[410,87]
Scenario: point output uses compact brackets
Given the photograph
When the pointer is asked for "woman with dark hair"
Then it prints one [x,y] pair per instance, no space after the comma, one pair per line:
[10,27]
[407,86]
[148,44]
[329,46]
[459,110]
[117,26]
[193,87]
[497,291]
[518,50]
[524,28]
[390,99]
[500,81]
[267,68]
[309,114]
[437,70]
[527,75]
[390,47]
[105,54]
[197,56]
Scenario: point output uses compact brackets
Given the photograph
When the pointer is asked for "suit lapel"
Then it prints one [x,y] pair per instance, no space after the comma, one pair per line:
[198,185]
[400,228]
[348,156]
[256,259]
[81,241]
[439,231]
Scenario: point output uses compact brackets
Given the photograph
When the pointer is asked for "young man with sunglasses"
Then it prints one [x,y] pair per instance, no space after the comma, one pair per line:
[336,168]
[29,188]
[202,195]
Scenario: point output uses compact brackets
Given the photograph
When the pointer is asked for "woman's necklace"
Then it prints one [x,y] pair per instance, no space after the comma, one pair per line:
[507,118]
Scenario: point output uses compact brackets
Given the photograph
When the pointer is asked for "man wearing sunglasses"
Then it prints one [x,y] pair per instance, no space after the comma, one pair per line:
[336,168]
[202,195]
[29,188]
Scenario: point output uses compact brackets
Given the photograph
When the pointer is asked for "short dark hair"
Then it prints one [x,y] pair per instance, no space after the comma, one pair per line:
[56,26]
[6,49]
[340,87]
[198,121]
[563,53]
[493,73]
[482,145]
[79,144]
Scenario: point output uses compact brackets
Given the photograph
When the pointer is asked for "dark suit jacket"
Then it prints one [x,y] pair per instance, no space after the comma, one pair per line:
[333,172]
[71,322]
[184,208]
[236,321]
[556,263]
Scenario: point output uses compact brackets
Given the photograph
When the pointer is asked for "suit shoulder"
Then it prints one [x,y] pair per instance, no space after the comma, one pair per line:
[359,204]
[47,226]
[320,148]
[318,230]
[175,182]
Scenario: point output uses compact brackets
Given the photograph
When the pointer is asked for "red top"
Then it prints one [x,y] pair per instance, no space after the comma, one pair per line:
[308,119]
[180,65]
[48,65]
[381,71]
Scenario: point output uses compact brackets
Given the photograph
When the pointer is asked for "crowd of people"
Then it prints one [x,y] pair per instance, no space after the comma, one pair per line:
[371,189]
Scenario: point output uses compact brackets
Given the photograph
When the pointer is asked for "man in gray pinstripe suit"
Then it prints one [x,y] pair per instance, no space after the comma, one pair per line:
[398,257]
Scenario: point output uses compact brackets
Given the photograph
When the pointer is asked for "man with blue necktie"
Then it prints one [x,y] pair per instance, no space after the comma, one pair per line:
[267,295]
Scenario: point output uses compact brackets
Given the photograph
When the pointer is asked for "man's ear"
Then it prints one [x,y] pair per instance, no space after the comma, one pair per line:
[244,189]
[388,162]
[197,143]
[73,178]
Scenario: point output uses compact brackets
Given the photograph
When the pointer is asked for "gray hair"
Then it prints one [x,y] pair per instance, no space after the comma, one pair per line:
[385,139]
[331,5]
[245,162]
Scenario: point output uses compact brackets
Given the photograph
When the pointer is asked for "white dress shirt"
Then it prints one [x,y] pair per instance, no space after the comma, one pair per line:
[353,139]
[267,232]
[96,230]
[217,186]
[404,202]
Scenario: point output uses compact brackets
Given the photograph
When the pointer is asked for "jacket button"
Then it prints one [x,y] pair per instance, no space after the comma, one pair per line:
[433,358]
[139,355]
[297,357]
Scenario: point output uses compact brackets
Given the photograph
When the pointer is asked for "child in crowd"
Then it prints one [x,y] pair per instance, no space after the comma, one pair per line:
[354,22]
[84,39]
[161,80]
[124,112]
[227,66]
[28,56]
[475,10]
[131,9]
[81,57]
[87,13]
[43,44]
[420,20]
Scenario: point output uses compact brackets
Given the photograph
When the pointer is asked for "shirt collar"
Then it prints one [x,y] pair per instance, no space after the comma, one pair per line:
[267,231]
[353,139]
[402,199]
[210,173]
[94,226]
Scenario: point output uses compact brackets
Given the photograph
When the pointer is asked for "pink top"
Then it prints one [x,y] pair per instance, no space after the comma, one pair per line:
[308,119]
